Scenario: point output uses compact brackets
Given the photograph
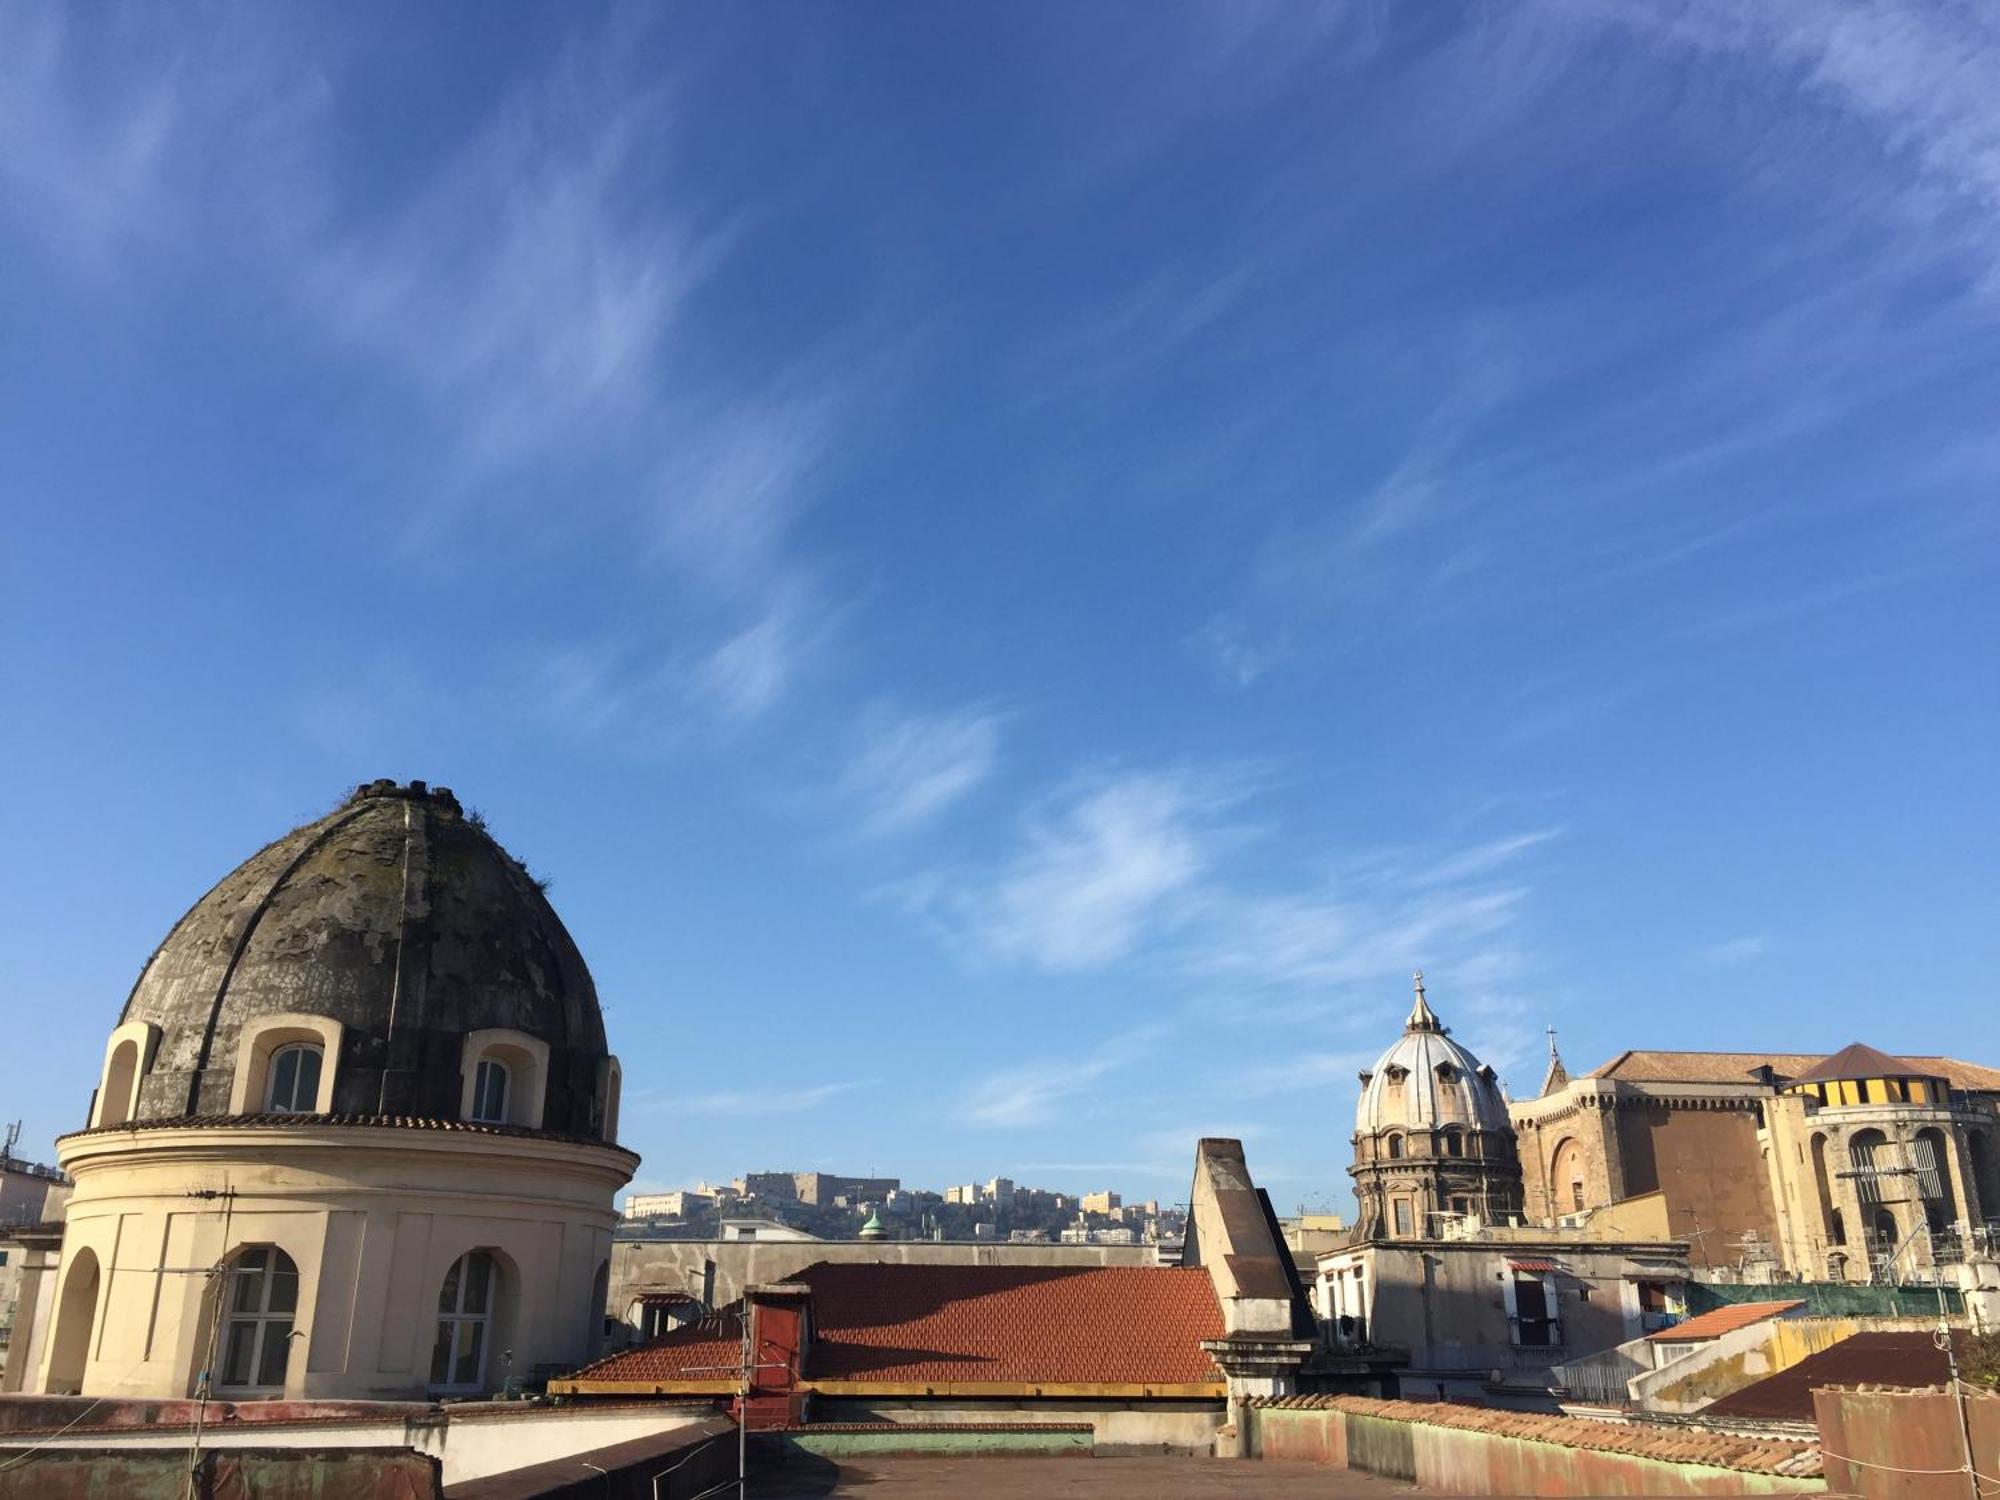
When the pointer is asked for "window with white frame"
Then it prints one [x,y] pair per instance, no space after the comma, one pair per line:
[465,1311]
[261,1289]
[489,1092]
[504,1079]
[292,1079]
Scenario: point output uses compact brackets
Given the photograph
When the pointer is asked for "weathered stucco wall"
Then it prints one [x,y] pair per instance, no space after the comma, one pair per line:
[1908,1445]
[1464,1461]
[1150,1427]
[57,1474]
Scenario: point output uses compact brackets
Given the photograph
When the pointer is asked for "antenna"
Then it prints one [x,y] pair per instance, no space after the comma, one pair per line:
[13,1140]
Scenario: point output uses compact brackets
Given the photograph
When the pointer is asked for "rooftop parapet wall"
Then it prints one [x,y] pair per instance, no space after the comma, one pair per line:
[1464,1450]
[1746,1355]
[1908,1444]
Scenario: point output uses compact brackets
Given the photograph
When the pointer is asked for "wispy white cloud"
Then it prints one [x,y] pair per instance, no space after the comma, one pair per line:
[1922,76]
[1735,951]
[1305,1070]
[757,1102]
[1034,1093]
[1105,867]
[909,769]
[524,293]
[1234,653]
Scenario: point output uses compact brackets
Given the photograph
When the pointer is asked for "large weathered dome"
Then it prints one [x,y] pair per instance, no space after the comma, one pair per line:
[1427,1081]
[400,919]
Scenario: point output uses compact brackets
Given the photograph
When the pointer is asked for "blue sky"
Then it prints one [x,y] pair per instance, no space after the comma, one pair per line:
[1020,567]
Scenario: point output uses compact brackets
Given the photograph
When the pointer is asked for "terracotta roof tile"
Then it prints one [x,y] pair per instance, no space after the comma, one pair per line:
[1641,1066]
[939,1325]
[1714,1323]
[1903,1359]
[1688,1445]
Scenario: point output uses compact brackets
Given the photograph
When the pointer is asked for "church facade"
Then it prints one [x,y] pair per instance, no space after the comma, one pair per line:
[1853,1167]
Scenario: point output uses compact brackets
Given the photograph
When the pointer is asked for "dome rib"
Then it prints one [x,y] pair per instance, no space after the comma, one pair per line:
[242,946]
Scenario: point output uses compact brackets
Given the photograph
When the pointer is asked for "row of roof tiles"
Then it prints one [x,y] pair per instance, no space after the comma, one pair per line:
[1676,1445]
[948,1325]
[1646,1066]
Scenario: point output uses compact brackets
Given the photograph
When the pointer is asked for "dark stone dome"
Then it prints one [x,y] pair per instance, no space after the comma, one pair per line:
[403,920]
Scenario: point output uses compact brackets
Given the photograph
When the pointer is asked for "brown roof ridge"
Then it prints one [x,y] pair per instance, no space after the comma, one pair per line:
[1859,1060]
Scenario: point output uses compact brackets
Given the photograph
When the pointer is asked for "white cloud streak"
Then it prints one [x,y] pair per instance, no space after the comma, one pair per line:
[908,770]
[1034,1093]
[1102,871]
[753,1102]
[1735,952]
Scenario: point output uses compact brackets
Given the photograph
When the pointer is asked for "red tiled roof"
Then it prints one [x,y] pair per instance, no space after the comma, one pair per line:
[1643,1066]
[1680,1445]
[1714,1323]
[1859,1060]
[1909,1359]
[957,1325]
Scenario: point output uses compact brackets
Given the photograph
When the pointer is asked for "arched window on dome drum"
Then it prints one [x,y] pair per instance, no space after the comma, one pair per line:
[1454,1143]
[489,1092]
[1395,1148]
[465,1308]
[262,1288]
[293,1086]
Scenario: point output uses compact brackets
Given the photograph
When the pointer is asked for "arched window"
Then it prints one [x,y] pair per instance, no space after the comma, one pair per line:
[1839,1227]
[1395,1148]
[465,1308]
[293,1079]
[1862,1153]
[1928,1155]
[76,1318]
[119,1078]
[262,1291]
[489,1092]
[1454,1144]
[1566,1178]
[504,1077]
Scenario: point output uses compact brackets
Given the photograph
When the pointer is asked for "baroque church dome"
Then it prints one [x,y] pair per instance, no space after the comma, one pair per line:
[401,927]
[1427,1081]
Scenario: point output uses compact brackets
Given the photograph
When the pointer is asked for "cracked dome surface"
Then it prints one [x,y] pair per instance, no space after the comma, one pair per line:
[403,920]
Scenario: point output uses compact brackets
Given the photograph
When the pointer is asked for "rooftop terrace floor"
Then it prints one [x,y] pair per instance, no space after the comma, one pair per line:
[1036,1478]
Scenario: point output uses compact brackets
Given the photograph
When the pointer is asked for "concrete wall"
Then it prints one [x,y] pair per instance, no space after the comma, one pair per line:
[497,1442]
[967,1441]
[718,1270]
[1908,1445]
[56,1474]
[1128,1427]
[1454,1461]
